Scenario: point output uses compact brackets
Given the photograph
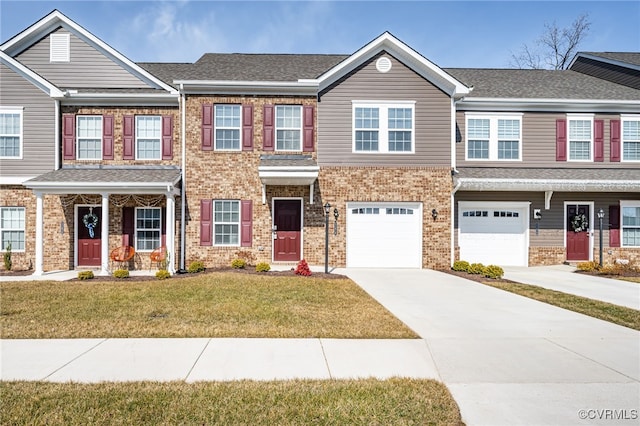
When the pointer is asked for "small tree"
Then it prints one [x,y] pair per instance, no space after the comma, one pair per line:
[7,258]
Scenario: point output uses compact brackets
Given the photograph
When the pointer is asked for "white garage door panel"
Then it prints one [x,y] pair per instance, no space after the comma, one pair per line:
[491,238]
[384,240]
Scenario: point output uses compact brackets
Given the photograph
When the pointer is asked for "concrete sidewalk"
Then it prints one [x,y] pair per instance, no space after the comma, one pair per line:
[202,359]
[563,278]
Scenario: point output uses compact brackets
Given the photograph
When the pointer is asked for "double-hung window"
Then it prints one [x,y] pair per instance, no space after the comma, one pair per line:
[148,228]
[580,137]
[10,132]
[288,128]
[148,137]
[631,138]
[226,222]
[381,127]
[494,137]
[227,124]
[89,137]
[12,228]
[630,223]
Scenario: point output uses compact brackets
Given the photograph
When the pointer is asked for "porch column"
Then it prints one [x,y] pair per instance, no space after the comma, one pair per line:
[170,229]
[104,248]
[39,235]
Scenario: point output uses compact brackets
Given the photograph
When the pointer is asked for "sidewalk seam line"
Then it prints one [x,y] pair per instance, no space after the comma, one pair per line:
[75,359]
[326,361]
[197,359]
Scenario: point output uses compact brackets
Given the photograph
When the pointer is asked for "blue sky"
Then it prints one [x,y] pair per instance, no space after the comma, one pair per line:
[451,34]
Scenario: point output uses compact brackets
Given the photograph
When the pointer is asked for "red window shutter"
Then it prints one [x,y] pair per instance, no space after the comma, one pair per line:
[268,128]
[247,127]
[128,138]
[128,226]
[561,140]
[615,140]
[246,223]
[207,127]
[308,121]
[167,137]
[598,140]
[107,137]
[206,219]
[614,226]
[69,136]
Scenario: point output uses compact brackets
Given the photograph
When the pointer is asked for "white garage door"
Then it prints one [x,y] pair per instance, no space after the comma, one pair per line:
[494,233]
[384,235]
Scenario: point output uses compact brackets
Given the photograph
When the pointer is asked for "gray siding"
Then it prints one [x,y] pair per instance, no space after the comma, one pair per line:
[38,149]
[626,76]
[88,67]
[539,144]
[432,117]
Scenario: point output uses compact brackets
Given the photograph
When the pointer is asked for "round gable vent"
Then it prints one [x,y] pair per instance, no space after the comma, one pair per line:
[383,64]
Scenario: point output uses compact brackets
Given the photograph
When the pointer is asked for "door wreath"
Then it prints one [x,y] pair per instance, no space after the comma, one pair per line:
[90,221]
[579,223]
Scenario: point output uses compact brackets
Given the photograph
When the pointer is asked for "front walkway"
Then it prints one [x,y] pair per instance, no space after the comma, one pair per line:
[563,278]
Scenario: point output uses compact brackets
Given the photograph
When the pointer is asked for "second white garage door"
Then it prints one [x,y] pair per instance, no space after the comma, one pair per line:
[494,233]
[384,235]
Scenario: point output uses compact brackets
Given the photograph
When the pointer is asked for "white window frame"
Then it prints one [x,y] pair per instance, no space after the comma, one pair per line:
[298,129]
[78,139]
[580,117]
[217,127]
[22,229]
[237,223]
[159,229]
[383,122]
[625,118]
[20,112]
[59,48]
[494,140]
[629,204]
[137,127]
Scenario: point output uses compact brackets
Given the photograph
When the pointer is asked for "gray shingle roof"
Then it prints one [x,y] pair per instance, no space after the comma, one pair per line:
[540,84]
[520,173]
[632,58]
[110,174]
[287,161]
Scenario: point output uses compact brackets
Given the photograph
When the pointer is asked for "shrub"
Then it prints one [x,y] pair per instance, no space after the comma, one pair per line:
[476,268]
[588,266]
[303,269]
[162,274]
[238,264]
[7,258]
[121,273]
[85,275]
[195,267]
[493,271]
[461,266]
[263,267]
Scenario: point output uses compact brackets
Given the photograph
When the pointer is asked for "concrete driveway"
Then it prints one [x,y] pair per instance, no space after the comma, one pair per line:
[563,278]
[511,360]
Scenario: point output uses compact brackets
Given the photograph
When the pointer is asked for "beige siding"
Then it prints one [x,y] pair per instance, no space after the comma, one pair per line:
[539,144]
[432,117]
[88,67]
[38,143]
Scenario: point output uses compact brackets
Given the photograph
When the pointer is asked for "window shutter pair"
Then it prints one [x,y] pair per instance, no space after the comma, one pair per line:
[208,127]
[69,137]
[268,129]
[206,223]
[598,140]
[129,139]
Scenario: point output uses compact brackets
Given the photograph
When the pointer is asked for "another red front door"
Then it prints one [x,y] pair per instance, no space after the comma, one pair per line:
[89,233]
[578,230]
[287,220]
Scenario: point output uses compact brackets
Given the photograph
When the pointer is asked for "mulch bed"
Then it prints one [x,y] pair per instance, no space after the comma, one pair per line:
[474,277]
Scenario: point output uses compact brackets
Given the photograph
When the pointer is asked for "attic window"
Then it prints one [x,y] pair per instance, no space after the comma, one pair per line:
[59,51]
[383,64]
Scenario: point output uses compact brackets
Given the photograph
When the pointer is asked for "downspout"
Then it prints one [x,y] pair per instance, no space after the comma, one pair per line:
[57,135]
[183,201]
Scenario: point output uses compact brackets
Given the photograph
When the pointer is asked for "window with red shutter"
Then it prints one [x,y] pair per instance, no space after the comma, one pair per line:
[615,141]
[598,140]
[247,127]
[167,137]
[107,137]
[246,223]
[308,128]
[128,138]
[561,140]
[207,127]
[206,219]
[268,137]
[69,136]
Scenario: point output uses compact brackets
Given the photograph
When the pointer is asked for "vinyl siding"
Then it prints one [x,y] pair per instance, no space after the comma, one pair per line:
[432,117]
[626,76]
[88,68]
[539,144]
[38,150]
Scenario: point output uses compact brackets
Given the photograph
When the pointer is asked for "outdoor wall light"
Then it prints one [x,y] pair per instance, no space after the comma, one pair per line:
[327,208]
[434,214]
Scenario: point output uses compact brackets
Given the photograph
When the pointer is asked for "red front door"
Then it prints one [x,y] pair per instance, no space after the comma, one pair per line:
[287,220]
[578,230]
[89,233]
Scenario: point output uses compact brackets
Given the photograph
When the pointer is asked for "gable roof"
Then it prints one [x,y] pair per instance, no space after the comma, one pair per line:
[34,78]
[55,20]
[622,59]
